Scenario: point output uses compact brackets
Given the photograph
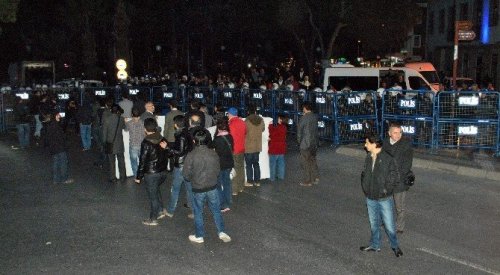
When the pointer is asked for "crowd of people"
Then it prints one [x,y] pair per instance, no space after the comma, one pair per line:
[214,166]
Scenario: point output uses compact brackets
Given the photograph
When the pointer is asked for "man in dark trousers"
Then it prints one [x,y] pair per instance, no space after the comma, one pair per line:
[153,169]
[402,152]
[307,137]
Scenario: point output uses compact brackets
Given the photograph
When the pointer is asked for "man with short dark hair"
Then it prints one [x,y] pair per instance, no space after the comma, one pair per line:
[152,168]
[201,167]
[307,137]
[402,152]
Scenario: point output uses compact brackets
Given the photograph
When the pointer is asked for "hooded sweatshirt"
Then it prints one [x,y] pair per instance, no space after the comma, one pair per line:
[253,139]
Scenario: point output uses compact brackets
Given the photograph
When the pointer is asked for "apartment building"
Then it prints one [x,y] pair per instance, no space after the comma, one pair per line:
[478,59]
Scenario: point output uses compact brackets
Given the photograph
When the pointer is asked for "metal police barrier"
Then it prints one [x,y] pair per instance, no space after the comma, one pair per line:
[93,94]
[355,116]
[323,105]
[468,119]
[162,95]
[9,100]
[202,94]
[289,103]
[228,98]
[414,111]
[261,99]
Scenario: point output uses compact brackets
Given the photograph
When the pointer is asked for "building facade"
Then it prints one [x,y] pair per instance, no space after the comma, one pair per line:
[477,59]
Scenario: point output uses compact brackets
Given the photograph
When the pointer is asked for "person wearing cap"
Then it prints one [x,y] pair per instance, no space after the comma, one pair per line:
[238,130]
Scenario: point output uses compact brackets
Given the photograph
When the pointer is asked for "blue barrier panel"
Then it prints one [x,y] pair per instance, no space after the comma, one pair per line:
[414,111]
[202,94]
[261,99]
[324,107]
[289,103]
[100,93]
[468,119]
[228,98]
[162,95]
[355,115]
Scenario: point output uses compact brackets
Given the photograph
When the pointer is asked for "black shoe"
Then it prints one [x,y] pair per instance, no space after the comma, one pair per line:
[397,251]
[399,231]
[369,249]
[186,205]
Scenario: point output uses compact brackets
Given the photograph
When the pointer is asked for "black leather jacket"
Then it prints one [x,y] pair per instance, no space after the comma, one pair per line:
[153,158]
[183,145]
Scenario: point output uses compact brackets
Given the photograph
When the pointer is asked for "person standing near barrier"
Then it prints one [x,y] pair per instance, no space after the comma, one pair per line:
[135,128]
[84,117]
[201,167]
[378,180]
[150,111]
[223,145]
[307,137]
[169,129]
[277,148]
[253,145]
[54,138]
[113,125]
[126,105]
[152,168]
[22,113]
[178,150]
[238,130]
[402,152]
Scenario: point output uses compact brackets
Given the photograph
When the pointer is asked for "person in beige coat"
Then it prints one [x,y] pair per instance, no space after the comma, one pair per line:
[253,146]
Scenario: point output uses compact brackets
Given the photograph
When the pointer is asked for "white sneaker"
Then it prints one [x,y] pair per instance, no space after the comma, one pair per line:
[191,216]
[194,239]
[224,237]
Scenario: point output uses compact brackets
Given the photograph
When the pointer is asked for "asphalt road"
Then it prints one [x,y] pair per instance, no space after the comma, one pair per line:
[94,227]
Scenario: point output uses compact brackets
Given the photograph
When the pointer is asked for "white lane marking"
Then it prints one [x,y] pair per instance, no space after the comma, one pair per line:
[472,265]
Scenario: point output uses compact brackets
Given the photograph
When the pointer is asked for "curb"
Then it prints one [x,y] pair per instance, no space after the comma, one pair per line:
[434,165]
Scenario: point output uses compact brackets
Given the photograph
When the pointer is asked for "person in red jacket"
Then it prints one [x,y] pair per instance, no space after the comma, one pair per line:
[238,130]
[277,148]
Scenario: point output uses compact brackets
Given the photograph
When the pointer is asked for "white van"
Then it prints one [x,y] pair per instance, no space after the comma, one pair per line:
[427,70]
[363,79]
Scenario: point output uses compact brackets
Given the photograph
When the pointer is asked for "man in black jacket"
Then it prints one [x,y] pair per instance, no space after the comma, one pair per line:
[378,181]
[152,168]
[402,152]
[54,139]
[201,167]
[178,150]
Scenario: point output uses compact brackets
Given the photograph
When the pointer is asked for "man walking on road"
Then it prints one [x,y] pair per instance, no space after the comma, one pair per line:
[402,153]
[307,137]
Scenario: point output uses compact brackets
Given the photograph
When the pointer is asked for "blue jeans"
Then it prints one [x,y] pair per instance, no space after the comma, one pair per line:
[176,189]
[382,209]
[60,167]
[213,204]
[86,135]
[38,126]
[153,182]
[277,167]
[224,187]
[252,167]
[134,153]
[23,134]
